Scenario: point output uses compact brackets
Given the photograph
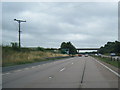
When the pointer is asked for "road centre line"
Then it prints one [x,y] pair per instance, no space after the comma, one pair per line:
[108,68]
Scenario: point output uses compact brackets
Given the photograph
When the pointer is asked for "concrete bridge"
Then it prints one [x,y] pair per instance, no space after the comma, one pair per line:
[80,49]
[76,48]
[88,48]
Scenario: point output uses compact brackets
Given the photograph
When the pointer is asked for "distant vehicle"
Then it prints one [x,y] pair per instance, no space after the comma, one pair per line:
[99,54]
[80,55]
[112,54]
[96,54]
[86,55]
[72,56]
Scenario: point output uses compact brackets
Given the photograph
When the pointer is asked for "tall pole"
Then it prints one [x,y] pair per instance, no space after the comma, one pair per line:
[19,35]
[19,21]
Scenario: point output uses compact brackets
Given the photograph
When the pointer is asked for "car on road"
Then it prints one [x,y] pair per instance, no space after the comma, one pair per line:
[80,55]
[86,55]
[112,54]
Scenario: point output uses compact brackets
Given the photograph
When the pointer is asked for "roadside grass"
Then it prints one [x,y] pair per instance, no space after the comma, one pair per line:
[109,61]
[12,57]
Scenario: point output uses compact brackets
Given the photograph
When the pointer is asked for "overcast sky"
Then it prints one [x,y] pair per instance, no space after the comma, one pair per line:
[85,24]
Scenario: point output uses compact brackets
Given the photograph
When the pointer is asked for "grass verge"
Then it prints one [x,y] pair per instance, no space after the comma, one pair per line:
[109,61]
[11,57]
[32,61]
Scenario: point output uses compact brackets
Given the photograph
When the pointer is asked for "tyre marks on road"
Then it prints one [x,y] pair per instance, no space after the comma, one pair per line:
[83,72]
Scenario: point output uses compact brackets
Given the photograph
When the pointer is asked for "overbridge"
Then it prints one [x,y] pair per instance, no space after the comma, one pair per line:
[76,48]
[80,49]
[88,48]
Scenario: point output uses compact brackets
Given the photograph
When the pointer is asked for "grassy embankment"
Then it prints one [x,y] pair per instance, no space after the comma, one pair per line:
[109,61]
[12,57]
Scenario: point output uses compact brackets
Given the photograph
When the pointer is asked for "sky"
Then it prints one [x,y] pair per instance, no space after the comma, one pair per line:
[48,24]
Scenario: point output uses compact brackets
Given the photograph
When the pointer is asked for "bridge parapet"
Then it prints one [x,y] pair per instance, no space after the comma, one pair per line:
[88,48]
[76,48]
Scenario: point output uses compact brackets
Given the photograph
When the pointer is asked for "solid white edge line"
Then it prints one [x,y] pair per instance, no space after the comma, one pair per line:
[108,68]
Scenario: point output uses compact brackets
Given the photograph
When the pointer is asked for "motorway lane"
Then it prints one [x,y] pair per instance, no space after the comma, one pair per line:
[37,77]
[65,73]
[97,76]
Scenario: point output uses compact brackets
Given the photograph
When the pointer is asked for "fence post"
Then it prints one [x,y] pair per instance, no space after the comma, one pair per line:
[111,58]
[117,59]
[114,59]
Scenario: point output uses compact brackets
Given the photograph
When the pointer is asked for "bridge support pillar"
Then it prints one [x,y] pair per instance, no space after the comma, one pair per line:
[77,51]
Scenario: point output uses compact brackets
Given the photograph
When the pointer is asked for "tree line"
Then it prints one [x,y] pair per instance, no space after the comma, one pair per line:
[110,47]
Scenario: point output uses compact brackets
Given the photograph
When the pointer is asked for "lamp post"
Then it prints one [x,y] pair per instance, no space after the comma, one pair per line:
[19,21]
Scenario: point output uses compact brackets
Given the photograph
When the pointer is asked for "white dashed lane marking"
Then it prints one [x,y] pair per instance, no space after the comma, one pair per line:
[32,67]
[62,69]
[6,73]
[50,77]
[26,68]
[17,70]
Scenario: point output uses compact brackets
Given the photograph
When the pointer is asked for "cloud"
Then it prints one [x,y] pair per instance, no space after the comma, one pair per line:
[85,24]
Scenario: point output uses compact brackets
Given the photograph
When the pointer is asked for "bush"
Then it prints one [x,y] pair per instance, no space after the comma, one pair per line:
[40,49]
[15,46]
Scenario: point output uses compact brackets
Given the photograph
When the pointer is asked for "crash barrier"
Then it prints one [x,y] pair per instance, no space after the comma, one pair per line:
[112,58]
[115,58]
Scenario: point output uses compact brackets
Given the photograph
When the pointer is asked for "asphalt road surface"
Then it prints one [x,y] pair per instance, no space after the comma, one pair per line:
[75,72]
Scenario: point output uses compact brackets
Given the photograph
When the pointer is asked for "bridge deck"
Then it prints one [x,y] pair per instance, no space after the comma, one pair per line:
[88,48]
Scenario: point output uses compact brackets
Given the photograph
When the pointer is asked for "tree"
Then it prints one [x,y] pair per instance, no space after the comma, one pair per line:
[117,47]
[15,45]
[68,47]
[40,49]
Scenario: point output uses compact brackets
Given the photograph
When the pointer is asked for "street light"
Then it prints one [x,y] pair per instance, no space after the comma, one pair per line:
[19,21]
